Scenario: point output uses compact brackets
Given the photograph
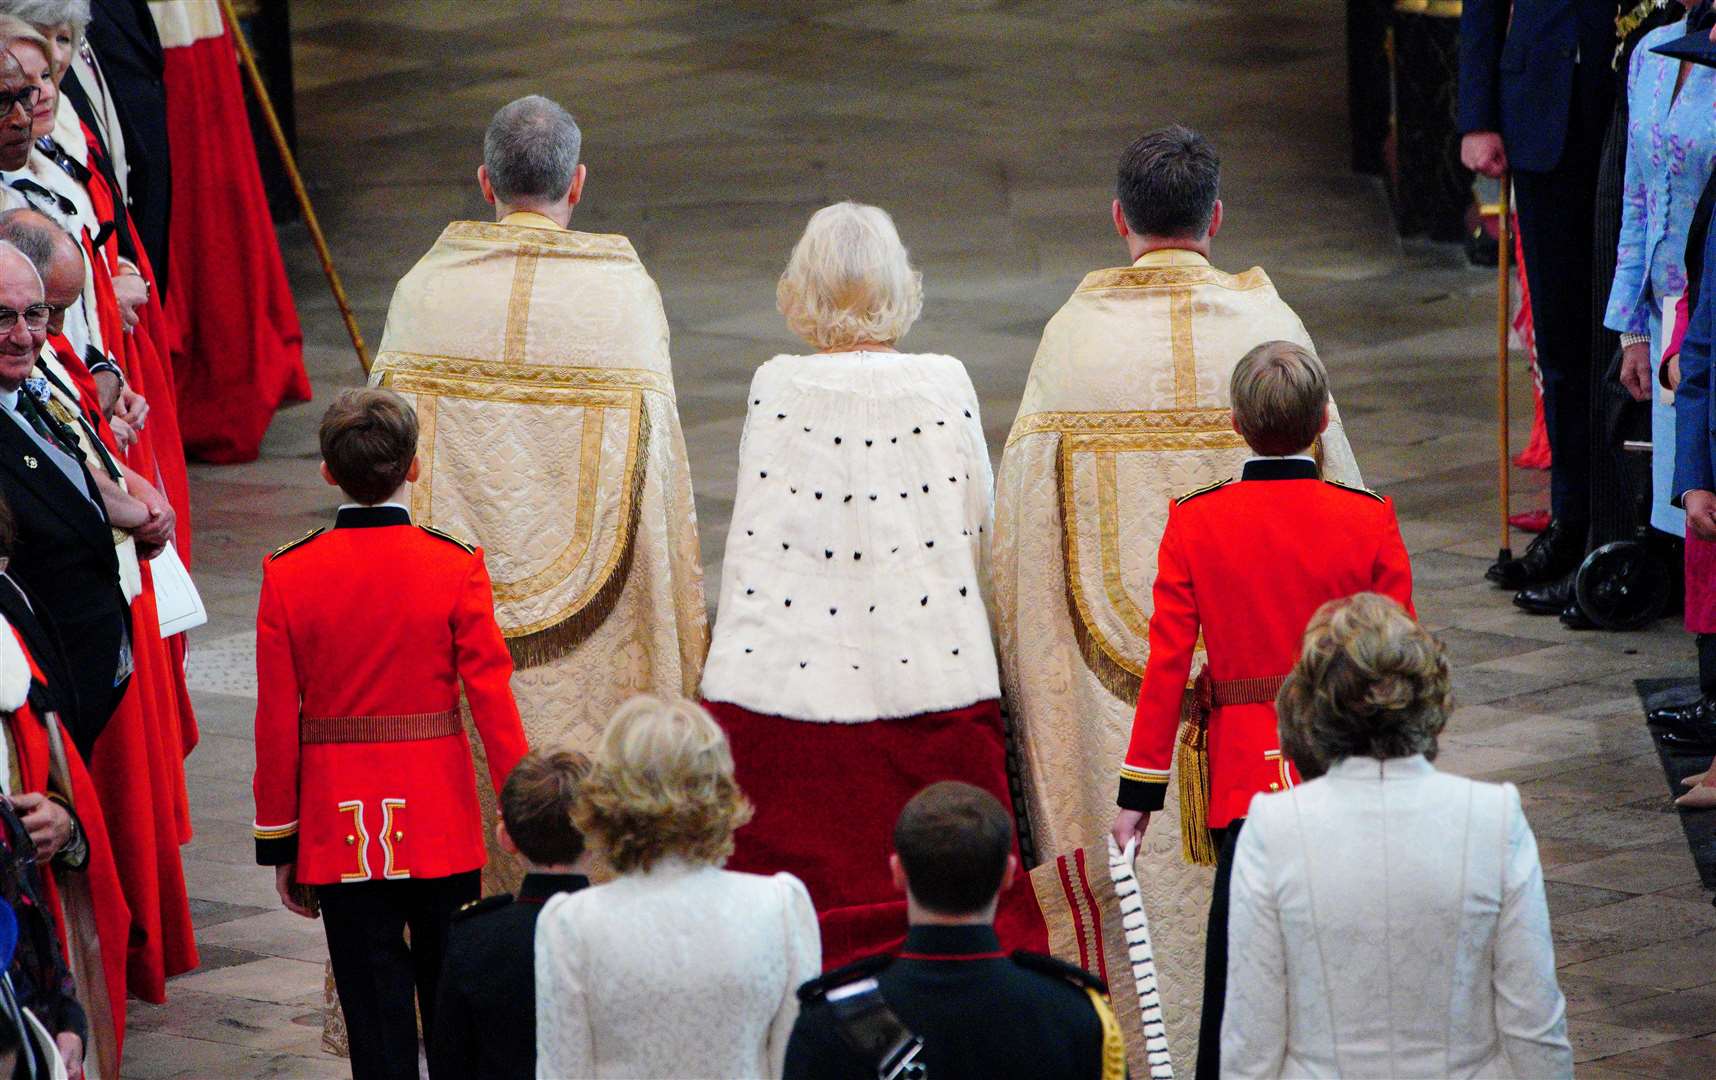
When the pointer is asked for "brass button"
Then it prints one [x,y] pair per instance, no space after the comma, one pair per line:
[350,840]
[398,836]
[1274,787]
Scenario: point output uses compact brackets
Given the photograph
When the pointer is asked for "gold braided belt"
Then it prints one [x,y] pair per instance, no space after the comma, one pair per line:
[1192,753]
[1258,691]
[411,727]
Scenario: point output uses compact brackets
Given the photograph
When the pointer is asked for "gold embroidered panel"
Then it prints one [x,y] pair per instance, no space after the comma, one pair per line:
[1114,489]
[490,447]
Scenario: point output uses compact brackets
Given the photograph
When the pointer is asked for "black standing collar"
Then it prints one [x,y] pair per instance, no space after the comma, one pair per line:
[952,943]
[371,517]
[1280,469]
[536,888]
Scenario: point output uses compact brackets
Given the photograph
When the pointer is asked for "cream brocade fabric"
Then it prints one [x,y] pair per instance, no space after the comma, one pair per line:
[537,359]
[1126,407]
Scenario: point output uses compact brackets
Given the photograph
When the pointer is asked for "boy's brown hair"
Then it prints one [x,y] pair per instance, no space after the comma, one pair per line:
[536,805]
[953,840]
[369,439]
[1280,392]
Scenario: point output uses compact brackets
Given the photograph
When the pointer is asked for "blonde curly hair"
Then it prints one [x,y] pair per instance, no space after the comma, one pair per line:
[1370,682]
[849,280]
[661,785]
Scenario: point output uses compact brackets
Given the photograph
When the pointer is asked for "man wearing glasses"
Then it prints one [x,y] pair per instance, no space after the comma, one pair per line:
[65,555]
[18,100]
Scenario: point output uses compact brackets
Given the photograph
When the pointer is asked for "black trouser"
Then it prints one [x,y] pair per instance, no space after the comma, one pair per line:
[1215,955]
[1556,221]
[1706,664]
[377,973]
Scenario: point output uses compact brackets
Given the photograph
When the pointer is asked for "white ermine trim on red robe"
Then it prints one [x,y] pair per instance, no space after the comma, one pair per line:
[852,588]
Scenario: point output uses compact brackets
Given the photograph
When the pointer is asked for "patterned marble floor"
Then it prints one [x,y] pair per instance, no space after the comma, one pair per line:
[990,129]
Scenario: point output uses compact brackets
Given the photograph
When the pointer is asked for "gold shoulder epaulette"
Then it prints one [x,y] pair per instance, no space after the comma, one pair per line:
[1354,489]
[300,542]
[447,536]
[1205,490]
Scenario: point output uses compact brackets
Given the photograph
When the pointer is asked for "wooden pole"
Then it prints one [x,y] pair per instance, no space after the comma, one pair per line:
[248,61]
[1504,313]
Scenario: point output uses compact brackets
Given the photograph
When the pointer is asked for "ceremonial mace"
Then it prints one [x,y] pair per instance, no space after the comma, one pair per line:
[254,77]
[1504,248]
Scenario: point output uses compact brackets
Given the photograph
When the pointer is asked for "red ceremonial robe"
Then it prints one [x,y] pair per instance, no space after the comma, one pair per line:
[242,353]
[83,897]
[826,798]
[143,354]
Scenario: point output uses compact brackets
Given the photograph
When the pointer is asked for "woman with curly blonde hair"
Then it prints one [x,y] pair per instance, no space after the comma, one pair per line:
[677,967]
[1387,919]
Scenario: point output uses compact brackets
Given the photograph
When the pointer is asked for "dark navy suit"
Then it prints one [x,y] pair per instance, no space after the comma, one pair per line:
[1545,81]
[1694,423]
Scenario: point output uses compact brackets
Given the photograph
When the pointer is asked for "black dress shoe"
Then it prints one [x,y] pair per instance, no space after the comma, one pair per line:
[1692,745]
[1550,599]
[1573,618]
[1557,552]
[1697,718]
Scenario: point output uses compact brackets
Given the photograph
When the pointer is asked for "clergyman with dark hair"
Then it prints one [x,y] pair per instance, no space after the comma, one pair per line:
[539,353]
[1127,407]
[487,1016]
[979,1012]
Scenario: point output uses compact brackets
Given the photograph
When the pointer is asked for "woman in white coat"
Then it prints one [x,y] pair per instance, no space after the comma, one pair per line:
[1388,919]
[676,967]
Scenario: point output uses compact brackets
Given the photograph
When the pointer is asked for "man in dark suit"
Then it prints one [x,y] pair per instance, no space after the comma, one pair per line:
[128,56]
[64,555]
[485,1022]
[978,1012]
[41,638]
[1536,92]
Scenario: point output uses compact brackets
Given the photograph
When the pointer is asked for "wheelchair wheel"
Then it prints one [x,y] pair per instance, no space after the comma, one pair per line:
[1622,586]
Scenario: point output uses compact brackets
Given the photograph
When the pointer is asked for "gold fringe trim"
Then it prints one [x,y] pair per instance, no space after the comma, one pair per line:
[1192,764]
[552,642]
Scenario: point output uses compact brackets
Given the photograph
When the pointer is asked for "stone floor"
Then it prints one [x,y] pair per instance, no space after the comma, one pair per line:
[990,129]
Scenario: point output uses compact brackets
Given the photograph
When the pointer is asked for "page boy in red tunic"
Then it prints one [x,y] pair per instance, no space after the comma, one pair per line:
[1246,563]
[366,798]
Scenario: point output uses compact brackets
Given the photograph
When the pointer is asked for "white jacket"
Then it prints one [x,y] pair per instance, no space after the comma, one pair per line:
[683,969]
[1389,920]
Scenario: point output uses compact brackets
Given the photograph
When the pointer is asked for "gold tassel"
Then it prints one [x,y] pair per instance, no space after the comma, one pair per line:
[1192,767]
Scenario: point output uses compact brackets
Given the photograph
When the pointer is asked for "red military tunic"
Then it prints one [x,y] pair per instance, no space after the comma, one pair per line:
[363,636]
[1248,562]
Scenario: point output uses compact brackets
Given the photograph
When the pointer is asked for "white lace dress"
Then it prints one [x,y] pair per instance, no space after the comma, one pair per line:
[681,970]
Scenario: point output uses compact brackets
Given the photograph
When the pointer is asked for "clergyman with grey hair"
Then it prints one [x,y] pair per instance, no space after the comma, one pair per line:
[530,160]
[1126,409]
[537,357]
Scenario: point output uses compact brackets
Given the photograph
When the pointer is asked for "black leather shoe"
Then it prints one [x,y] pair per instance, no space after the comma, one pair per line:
[1550,599]
[1693,745]
[1573,618]
[1697,718]
[1555,553]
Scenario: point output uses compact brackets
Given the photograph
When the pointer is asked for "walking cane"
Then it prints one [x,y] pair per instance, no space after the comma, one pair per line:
[1504,248]
[254,77]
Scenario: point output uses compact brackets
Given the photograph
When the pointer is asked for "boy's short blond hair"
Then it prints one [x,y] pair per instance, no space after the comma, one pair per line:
[1280,395]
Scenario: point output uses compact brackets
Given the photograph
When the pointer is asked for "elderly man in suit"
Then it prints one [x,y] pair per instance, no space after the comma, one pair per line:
[64,555]
[1536,91]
